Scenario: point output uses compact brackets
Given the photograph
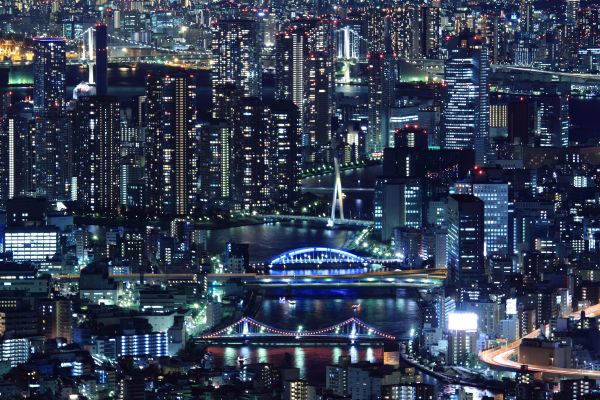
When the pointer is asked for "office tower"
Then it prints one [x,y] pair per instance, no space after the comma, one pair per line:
[52,129]
[62,326]
[551,119]
[465,216]
[235,59]
[496,207]
[381,84]
[249,160]
[96,145]
[430,31]
[465,113]
[215,162]
[101,60]
[171,166]
[320,92]
[286,155]
[397,204]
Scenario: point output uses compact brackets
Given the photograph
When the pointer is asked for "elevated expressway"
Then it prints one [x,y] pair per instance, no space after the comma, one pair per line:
[500,358]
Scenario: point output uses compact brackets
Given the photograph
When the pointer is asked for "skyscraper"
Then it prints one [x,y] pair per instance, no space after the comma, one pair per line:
[96,139]
[171,166]
[52,128]
[250,156]
[286,152]
[49,76]
[236,58]
[215,162]
[381,84]
[465,216]
[319,101]
[465,112]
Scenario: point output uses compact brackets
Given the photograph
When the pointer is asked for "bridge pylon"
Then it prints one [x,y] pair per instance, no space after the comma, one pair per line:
[338,195]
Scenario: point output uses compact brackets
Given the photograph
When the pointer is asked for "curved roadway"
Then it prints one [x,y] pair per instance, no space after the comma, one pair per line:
[500,357]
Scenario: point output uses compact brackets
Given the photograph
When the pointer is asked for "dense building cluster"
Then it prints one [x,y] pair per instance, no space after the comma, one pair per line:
[130,130]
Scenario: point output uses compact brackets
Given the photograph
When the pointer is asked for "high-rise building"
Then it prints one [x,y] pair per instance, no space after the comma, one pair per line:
[465,216]
[431,34]
[551,117]
[465,113]
[171,166]
[250,156]
[397,204]
[215,162]
[49,76]
[52,128]
[236,59]
[16,156]
[320,92]
[96,145]
[495,197]
[404,22]
[285,152]
[381,84]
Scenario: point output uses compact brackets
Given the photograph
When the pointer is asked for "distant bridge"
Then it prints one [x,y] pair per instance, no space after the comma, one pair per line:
[247,330]
[325,220]
[418,279]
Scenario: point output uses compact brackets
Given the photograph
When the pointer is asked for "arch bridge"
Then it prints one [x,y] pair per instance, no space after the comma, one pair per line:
[317,255]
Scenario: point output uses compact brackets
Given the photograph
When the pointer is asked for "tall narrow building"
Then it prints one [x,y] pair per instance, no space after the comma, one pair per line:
[286,155]
[466,105]
[52,128]
[97,142]
[171,167]
[381,84]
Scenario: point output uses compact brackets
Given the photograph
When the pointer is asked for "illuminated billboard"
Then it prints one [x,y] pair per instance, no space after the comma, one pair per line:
[462,321]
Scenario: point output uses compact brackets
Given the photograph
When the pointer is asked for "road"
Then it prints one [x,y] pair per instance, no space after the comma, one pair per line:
[500,357]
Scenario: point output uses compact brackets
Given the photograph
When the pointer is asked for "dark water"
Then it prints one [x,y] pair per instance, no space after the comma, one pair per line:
[269,240]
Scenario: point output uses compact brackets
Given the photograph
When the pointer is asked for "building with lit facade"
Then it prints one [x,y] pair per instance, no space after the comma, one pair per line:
[172,148]
[155,344]
[397,205]
[52,128]
[32,243]
[465,111]
[286,154]
[96,149]
[430,31]
[235,60]
[215,162]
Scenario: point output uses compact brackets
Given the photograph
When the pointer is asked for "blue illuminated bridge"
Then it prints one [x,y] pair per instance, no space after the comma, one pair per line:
[248,331]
